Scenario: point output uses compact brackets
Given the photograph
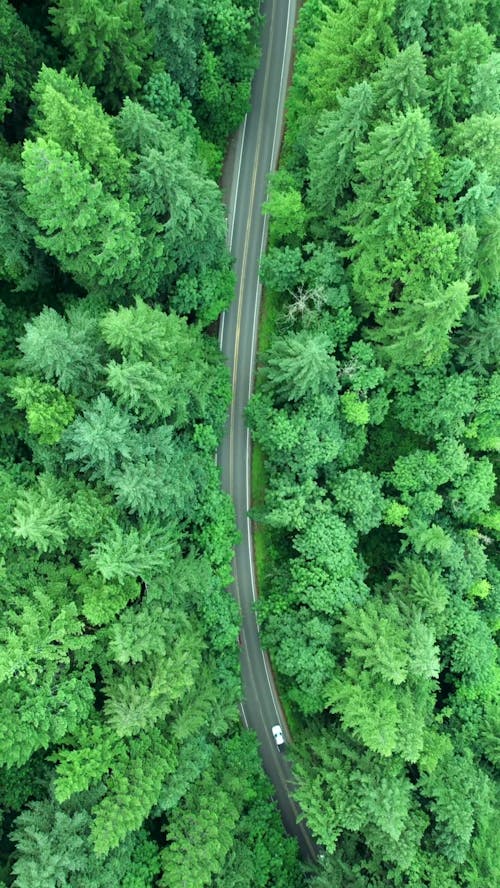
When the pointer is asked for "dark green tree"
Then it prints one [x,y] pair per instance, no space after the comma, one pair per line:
[106,43]
[333,149]
[22,264]
[21,53]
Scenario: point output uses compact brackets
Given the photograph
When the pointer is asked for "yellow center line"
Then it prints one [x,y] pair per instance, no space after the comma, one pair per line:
[241,288]
[282,778]
[246,247]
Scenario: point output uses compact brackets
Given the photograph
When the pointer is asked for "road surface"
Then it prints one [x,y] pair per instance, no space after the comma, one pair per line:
[255,153]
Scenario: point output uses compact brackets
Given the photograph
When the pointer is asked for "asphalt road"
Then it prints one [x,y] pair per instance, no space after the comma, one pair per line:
[254,154]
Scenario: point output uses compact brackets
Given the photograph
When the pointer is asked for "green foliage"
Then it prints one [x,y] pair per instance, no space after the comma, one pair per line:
[362,792]
[358,494]
[141,767]
[181,210]
[457,791]
[396,167]
[22,264]
[62,351]
[301,365]
[106,43]
[91,234]
[48,410]
[206,294]
[333,149]
[423,325]
[328,575]
[177,32]
[100,438]
[21,54]
[282,269]
[66,111]
[284,206]
[116,611]
[158,341]
[380,587]
[383,693]
[350,43]
[231,794]
[209,821]
[210,50]
[401,83]
[52,845]
[467,48]
[119,668]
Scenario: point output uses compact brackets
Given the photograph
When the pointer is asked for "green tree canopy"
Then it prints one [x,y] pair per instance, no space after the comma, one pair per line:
[106,43]
[91,233]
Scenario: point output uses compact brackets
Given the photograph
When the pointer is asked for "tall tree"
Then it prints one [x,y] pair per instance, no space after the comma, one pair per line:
[301,365]
[333,149]
[91,233]
[106,43]
[22,264]
[66,111]
[21,54]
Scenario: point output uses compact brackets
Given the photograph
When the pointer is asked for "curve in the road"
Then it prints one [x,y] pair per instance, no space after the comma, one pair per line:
[255,155]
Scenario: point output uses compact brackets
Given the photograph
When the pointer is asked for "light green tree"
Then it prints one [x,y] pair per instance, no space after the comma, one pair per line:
[48,411]
[63,350]
[91,233]
[299,365]
[40,515]
[67,112]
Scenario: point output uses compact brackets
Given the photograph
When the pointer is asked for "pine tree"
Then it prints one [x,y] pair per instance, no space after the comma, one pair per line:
[106,43]
[300,365]
[333,149]
[66,111]
[401,82]
[21,52]
[40,515]
[101,439]
[423,325]
[21,263]
[91,233]
[63,351]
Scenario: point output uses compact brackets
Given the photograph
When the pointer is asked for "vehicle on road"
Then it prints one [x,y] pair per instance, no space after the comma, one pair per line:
[278,736]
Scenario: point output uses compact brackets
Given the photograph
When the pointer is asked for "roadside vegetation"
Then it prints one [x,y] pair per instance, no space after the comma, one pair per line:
[122,761]
[377,411]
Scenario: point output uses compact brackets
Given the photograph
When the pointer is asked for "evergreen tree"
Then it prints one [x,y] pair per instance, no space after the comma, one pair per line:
[333,149]
[401,82]
[21,263]
[21,53]
[91,233]
[301,365]
[376,520]
[106,43]
[66,111]
[62,351]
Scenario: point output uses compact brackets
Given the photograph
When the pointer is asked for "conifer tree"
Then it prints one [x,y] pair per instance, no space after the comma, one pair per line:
[91,233]
[106,44]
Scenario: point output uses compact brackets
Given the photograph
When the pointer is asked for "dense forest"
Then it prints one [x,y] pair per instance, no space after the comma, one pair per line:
[122,761]
[377,414]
